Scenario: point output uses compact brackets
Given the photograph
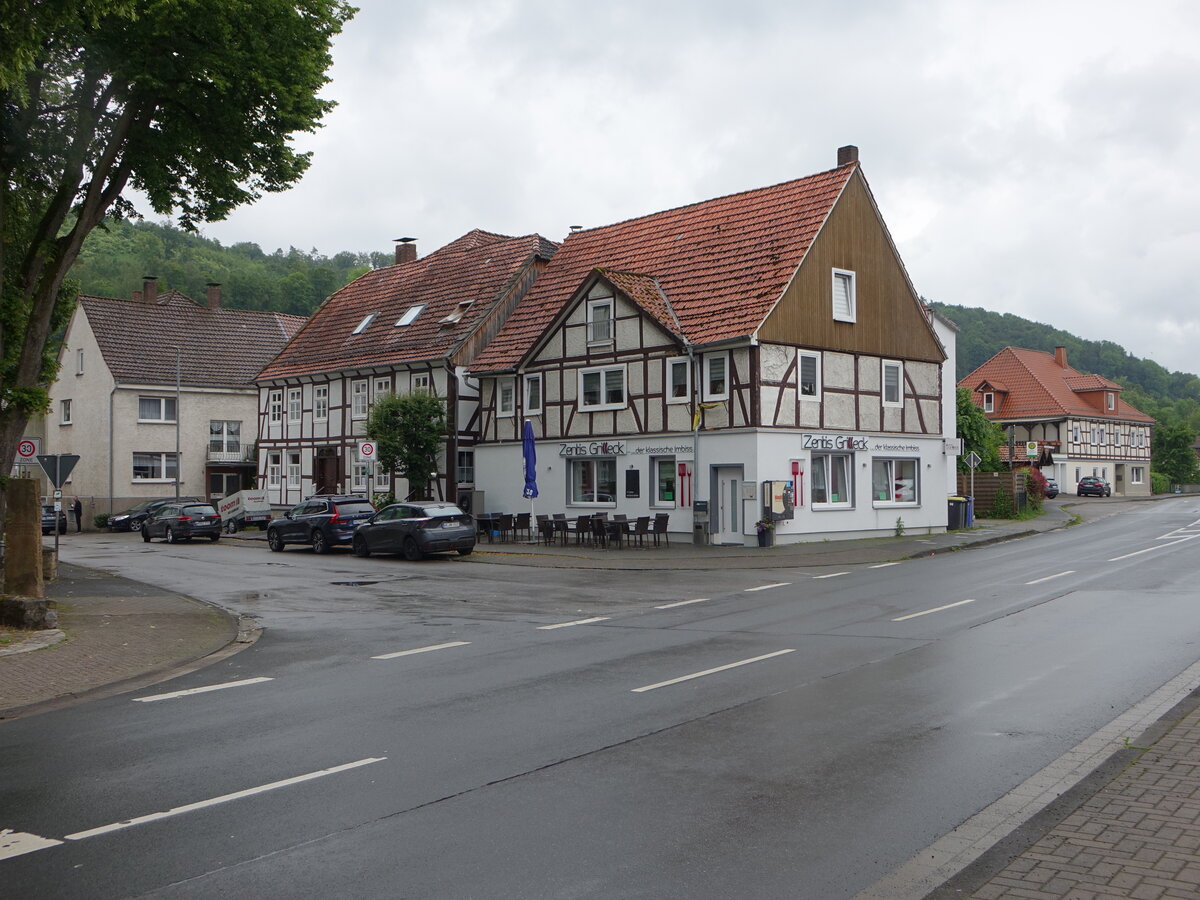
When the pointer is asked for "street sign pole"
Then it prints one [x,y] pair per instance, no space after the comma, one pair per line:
[57,467]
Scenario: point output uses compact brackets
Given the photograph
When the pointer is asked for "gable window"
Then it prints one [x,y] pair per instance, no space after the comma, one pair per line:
[274,467]
[321,403]
[224,437]
[64,413]
[362,326]
[809,365]
[716,376]
[533,394]
[294,404]
[832,480]
[293,469]
[600,321]
[79,362]
[602,388]
[893,481]
[893,383]
[358,400]
[845,301]
[506,396]
[989,402]
[410,316]
[275,404]
[155,467]
[156,409]
[679,380]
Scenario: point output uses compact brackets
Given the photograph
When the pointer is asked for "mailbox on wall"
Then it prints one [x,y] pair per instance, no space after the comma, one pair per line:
[779,500]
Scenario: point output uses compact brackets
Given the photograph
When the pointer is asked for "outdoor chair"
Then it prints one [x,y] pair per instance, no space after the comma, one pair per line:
[582,529]
[547,530]
[641,528]
[505,526]
[522,526]
[660,528]
[601,530]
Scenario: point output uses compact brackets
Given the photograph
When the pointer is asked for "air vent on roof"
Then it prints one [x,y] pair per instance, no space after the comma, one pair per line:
[362,326]
[409,316]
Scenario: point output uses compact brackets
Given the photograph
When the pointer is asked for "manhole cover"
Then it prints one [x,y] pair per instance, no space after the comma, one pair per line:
[353,583]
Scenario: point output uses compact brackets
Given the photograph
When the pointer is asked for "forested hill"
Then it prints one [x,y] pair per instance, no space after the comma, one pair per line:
[115,258]
[1168,396]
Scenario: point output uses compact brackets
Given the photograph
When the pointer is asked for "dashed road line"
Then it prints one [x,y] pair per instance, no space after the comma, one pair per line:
[417,650]
[1149,549]
[682,603]
[926,612]
[201,690]
[767,587]
[883,565]
[830,575]
[732,665]
[18,843]
[1050,577]
[576,622]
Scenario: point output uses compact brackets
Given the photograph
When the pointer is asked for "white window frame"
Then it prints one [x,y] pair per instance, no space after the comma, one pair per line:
[506,397]
[656,498]
[359,398]
[679,362]
[1110,400]
[162,466]
[1137,474]
[383,387]
[225,436]
[274,469]
[1076,434]
[275,407]
[79,361]
[890,498]
[363,325]
[64,410]
[293,468]
[594,463]
[593,337]
[321,403]
[603,372]
[422,382]
[802,355]
[708,393]
[410,316]
[161,419]
[383,478]
[848,471]
[534,398]
[840,278]
[295,404]
[898,366]
[989,402]
[465,465]
[360,473]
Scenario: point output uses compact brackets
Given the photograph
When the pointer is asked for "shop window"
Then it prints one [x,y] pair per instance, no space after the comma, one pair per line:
[832,480]
[894,481]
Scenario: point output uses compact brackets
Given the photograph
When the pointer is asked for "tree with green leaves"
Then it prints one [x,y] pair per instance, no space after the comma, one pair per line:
[409,434]
[1172,454]
[978,433]
[193,103]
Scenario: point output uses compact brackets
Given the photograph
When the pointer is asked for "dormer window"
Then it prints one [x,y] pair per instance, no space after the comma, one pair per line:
[362,326]
[1110,401]
[409,316]
[989,402]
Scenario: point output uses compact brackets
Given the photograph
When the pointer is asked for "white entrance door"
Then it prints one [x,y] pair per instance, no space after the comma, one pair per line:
[729,525]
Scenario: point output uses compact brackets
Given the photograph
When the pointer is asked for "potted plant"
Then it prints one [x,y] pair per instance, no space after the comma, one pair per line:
[766,531]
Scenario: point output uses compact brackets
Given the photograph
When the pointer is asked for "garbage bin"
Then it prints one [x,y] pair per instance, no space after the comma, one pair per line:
[956,513]
[970,512]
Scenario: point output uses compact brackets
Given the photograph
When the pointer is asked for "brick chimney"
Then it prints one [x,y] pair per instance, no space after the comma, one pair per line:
[406,250]
[213,294]
[847,155]
[1060,356]
[150,288]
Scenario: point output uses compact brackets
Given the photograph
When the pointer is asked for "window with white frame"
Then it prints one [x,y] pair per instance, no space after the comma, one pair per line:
[600,321]
[466,466]
[410,316]
[358,399]
[716,376]
[155,467]
[383,387]
[893,383]
[79,362]
[808,367]
[64,417]
[664,481]
[321,403]
[421,383]
[293,468]
[360,471]
[533,394]
[224,436]
[274,469]
[894,481]
[989,402]
[293,406]
[832,477]
[364,324]
[593,480]
[679,380]
[845,301]
[1137,474]
[156,409]
[602,388]
[1110,400]
[383,478]
[506,396]
[1076,433]
[275,407]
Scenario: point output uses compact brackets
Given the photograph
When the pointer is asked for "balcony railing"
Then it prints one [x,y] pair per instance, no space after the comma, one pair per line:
[241,455]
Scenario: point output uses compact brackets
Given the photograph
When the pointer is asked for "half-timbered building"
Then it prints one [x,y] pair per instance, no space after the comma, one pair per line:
[412,326]
[1073,424]
[757,355]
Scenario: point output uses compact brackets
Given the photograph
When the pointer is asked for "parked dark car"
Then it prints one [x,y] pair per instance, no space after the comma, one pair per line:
[176,522]
[48,519]
[322,522]
[416,529]
[1091,486]
[131,519]
[1051,488]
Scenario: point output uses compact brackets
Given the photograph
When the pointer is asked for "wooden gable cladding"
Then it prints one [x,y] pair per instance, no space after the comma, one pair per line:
[889,321]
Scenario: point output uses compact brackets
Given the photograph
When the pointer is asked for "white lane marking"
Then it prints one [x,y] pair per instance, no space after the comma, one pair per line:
[767,587]
[682,603]
[225,798]
[883,565]
[926,612]
[733,665]
[830,575]
[1148,549]
[18,843]
[1051,577]
[576,622]
[201,690]
[421,650]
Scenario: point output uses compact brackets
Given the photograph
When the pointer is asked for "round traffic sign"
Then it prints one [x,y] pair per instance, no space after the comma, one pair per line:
[366,450]
[27,449]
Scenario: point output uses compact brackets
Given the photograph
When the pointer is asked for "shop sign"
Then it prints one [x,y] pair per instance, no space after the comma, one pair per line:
[593,448]
[833,442]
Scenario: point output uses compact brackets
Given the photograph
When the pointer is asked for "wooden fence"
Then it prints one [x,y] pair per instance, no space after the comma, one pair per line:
[988,484]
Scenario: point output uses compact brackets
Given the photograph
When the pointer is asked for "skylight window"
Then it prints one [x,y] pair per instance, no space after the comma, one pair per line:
[457,313]
[362,326]
[409,315]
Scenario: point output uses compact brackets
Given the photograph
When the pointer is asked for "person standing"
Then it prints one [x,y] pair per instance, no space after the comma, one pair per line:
[77,511]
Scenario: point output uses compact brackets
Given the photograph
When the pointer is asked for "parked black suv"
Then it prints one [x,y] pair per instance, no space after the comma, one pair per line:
[322,522]
[131,519]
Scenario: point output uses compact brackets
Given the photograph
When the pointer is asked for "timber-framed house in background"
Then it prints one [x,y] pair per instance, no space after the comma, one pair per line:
[761,354]
[413,326]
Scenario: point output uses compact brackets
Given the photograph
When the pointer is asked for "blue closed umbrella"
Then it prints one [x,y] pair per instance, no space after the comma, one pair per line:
[529,452]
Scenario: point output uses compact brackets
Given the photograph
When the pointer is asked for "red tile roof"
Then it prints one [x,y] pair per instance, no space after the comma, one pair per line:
[645,291]
[722,263]
[466,276]
[220,347]
[1036,386]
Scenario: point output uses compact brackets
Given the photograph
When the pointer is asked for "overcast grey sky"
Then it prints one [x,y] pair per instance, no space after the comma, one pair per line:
[1037,158]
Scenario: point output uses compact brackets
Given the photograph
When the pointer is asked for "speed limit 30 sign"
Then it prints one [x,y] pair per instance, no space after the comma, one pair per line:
[366,450]
[27,450]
